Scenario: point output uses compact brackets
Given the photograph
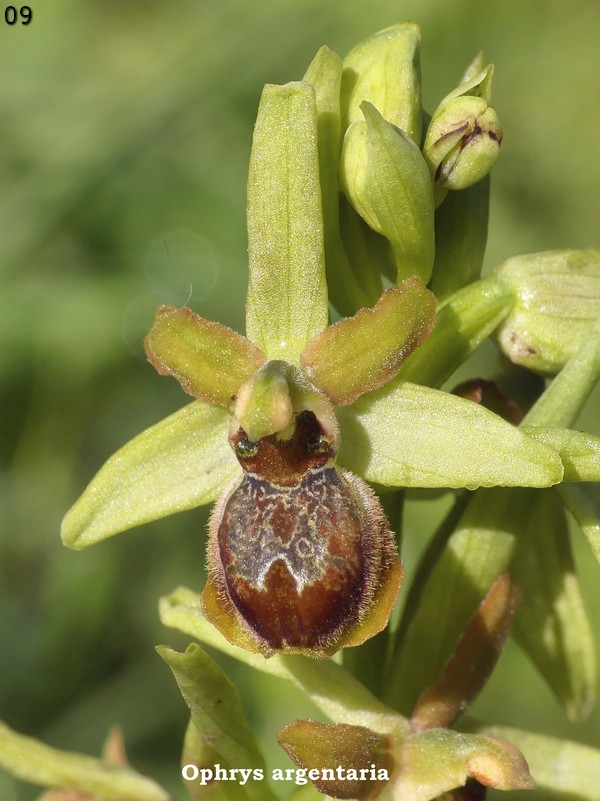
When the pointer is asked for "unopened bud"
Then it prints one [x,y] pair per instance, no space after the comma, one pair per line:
[464,136]
[385,178]
[557,299]
[384,70]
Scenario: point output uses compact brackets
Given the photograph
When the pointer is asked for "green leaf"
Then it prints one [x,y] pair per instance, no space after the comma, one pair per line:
[34,762]
[464,321]
[287,293]
[405,435]
[331,688]
[349,289]
[552,626]
[385,177]
[217,712]
[476,550]
[209,360]
[562,769]
[361,353]
[579,452]
[583,502]
[472,661]
[180,463]
[197,752]
[461,224]
[436,761]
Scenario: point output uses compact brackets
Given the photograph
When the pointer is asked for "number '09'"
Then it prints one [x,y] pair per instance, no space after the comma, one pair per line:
[11,15]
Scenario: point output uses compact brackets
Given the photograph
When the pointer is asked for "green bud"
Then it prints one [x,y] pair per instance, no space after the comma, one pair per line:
[384,70]
[385,178]
[464,136]
[557,296]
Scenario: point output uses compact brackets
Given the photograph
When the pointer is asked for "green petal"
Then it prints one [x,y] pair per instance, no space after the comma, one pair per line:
[579,452]
[287,293]
[552,626]
[361,353]
[209,360]
[565,770]
[180,463]
[37,763]
[331,688]
[583,502]
[412,436]
[439,760]
[217,714]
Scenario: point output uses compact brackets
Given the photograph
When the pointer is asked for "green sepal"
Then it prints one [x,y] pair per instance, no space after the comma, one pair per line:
[209,360]
[405,435]
[461,224]
[562,769]
[464,321]
[558,299]
[349,288]
[180,463]
[333,690]
[217,713]
[466,560]
[473,70]
[35,762]
[436,761]
[583,502]
[384,176]
[384,70]
[362,353]
[318,746]
[476,82]
[472,661]
[552,626]
[286,303]
[579,451]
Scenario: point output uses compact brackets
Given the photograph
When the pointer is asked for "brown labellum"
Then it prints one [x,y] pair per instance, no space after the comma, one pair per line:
[301,557]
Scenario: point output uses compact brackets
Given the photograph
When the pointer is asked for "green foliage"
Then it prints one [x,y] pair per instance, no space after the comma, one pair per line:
[125,138]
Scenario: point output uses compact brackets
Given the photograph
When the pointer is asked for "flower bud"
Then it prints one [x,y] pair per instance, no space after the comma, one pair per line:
[557,298]
[385,71]
[385,178]
[342,760]
[464,136]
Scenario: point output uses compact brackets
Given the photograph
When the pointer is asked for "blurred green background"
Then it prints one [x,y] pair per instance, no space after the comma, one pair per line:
[125,130]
